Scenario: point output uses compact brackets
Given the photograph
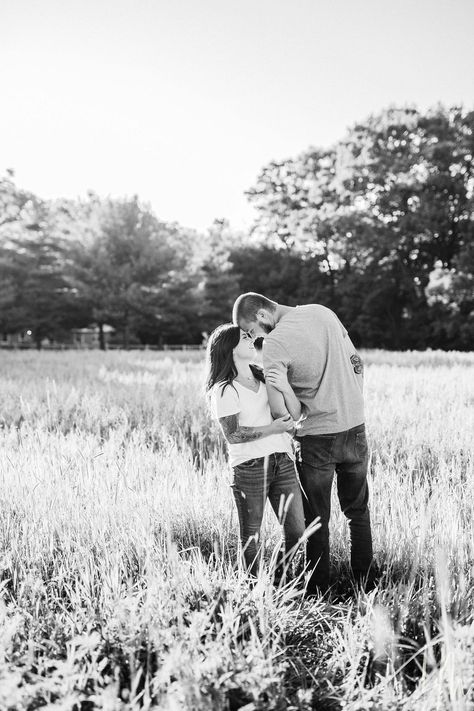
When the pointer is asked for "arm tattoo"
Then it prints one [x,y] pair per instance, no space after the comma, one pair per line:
[234,433]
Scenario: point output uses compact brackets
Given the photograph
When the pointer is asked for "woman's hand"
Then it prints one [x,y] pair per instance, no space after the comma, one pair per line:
[283,424]
[278,379]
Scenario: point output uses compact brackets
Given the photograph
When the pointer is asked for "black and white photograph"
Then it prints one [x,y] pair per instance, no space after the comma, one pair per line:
[237,355]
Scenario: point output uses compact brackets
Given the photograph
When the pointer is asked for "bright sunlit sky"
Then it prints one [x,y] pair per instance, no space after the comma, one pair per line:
[183,101]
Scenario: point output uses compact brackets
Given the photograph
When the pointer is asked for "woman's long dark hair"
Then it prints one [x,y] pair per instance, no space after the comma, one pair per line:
[220,366]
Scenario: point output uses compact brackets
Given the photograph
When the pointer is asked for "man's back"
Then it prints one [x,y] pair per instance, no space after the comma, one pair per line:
[324,368]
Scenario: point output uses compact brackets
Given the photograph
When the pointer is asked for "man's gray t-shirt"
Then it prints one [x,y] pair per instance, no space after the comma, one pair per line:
[323,366]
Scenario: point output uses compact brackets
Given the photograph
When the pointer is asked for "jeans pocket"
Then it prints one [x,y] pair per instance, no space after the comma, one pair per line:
[361,447]
[318,450]
[250,473]
[250,463]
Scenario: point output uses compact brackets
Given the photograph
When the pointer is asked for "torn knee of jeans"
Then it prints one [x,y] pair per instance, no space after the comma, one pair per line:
[253,536]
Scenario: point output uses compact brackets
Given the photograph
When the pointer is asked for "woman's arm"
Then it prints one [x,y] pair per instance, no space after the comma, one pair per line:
[276,401]
[278,380]
[236,434]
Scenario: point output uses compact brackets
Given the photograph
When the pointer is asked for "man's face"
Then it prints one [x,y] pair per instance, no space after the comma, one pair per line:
[263,324]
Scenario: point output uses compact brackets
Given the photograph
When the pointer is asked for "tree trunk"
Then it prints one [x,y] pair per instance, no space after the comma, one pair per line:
[102,343]
[126,333]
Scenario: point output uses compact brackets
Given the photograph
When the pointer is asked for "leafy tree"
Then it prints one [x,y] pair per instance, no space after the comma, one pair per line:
[380,210]
[279,274]
[124,271]
[35,294]
[220,282]
[451,295]
[178,317]
[17,208]
[111,271]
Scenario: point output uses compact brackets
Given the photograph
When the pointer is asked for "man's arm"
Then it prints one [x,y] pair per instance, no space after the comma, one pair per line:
[236,433]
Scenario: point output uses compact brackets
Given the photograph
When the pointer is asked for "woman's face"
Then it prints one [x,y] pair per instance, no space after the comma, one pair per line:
[245,349]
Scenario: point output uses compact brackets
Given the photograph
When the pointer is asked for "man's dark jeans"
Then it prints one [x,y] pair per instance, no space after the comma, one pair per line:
[346,454]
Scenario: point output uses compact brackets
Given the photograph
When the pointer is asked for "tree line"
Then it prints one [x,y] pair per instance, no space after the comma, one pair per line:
[379,227]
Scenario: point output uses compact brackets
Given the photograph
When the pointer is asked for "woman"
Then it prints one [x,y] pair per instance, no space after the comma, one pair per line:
[260,448]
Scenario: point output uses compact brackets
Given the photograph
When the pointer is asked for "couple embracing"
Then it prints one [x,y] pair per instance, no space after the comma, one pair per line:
[312,389]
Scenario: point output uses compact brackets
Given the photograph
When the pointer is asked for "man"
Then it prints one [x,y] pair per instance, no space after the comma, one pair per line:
[312,347]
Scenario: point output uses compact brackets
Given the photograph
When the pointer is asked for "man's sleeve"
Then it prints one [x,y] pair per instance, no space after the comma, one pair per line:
[225,402]
[342,327]
[275,356]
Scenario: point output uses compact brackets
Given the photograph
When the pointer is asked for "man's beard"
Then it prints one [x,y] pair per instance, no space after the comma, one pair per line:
[265,326]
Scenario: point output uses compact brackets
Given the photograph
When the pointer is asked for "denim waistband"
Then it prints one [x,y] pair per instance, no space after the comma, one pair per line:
[357,428]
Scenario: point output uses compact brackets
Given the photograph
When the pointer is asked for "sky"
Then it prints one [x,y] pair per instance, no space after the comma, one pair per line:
[182,102]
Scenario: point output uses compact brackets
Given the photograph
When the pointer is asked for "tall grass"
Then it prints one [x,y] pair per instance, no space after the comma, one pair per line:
[118,561]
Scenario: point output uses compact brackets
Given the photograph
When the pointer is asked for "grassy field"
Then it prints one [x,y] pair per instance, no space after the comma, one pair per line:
[119,584]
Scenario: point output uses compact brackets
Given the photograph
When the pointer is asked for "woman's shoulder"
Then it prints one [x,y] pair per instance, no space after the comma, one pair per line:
[224,400]
[223,389]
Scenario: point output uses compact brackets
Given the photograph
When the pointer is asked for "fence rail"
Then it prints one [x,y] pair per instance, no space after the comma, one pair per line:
[110,347]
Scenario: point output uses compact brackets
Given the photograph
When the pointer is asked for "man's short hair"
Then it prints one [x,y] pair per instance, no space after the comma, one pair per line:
[247,305]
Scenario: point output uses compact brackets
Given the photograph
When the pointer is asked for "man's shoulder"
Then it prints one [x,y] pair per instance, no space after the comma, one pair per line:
[315,310]
[304,327]
[300,315]
[318,315]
